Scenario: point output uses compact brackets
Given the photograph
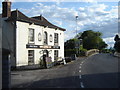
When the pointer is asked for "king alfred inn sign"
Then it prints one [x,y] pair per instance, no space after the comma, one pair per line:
[42,47]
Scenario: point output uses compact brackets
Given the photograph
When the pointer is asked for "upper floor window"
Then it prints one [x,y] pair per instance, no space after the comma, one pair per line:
[55,38]
[45,37]
[31,35]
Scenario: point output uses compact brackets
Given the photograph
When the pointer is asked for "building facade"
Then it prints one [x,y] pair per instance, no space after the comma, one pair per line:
[30,39]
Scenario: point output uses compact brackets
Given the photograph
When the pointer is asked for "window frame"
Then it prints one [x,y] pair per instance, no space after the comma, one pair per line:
[56,38]
[31,36]
[56,54]
[30,57]
[45,39]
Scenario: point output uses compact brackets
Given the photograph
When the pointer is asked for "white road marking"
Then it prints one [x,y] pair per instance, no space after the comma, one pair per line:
[81,84]
[80,67]
[79,70]
[80,76]
[80,64]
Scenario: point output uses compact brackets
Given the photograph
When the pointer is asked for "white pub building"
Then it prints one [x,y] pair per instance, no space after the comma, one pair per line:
[30,39]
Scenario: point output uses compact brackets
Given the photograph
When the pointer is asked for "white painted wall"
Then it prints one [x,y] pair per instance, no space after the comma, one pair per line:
[22,39]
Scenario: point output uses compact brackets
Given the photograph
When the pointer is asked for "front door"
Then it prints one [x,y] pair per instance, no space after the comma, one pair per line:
[45,54]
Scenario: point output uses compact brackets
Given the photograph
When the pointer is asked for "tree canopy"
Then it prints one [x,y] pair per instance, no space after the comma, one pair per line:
[93,40]
[90,40]
[117,43]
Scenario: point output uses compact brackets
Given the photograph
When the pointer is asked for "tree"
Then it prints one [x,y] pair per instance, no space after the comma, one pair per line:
[116,38]
[70,47]
[93,40]
[117,43]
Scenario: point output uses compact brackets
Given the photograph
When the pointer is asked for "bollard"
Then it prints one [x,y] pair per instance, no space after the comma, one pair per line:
[64,61]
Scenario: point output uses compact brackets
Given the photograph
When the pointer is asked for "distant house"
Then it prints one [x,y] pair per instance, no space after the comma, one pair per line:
[30,39]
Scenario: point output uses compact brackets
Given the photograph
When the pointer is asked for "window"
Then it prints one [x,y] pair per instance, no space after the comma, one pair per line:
[51,38]
[55,54]
[31,35]
[30,57]
[56,39]
[39,37]
[45,38]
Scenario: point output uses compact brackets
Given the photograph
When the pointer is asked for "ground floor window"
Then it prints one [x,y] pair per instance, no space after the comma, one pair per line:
[55,54]
[30,57]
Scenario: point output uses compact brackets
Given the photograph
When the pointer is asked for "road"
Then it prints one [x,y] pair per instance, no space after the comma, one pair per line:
[97,71]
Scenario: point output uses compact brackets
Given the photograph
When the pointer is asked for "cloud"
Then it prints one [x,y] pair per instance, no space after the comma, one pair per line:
[110,41]
[56,22]
[88,1]
[95,17]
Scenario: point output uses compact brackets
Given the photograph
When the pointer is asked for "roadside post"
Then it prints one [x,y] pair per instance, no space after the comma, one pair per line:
[6,69]
[64,61]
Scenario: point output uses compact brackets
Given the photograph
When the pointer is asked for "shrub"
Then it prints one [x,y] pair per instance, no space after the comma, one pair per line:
[82,51]
[69,52]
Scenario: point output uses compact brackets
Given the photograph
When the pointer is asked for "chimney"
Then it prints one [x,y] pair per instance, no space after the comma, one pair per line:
[41,18]
[6,8]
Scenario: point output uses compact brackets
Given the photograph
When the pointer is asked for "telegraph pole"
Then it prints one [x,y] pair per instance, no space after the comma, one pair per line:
[76,42]
[76,24]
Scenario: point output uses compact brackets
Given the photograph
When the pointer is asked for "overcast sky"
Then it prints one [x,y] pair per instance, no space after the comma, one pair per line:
[93,15]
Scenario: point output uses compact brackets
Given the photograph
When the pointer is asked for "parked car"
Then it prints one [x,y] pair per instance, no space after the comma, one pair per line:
[68,59]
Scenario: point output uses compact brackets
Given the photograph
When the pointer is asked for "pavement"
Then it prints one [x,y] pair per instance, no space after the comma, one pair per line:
[96,71]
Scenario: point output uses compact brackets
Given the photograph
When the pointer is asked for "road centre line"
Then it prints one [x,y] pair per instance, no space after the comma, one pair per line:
[81,64]
[81,84]
[80,76]
[80,67]
[79,70]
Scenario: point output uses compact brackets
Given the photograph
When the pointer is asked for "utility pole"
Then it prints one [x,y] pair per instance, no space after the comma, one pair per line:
[76,24]
[76,42]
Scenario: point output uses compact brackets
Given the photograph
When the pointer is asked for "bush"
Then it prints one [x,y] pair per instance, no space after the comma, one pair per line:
[82,51]
[69,52]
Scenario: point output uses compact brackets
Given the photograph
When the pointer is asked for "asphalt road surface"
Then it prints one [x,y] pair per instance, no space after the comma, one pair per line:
[97,71]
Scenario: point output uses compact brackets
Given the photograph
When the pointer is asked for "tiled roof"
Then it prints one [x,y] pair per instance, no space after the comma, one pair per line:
[38,20]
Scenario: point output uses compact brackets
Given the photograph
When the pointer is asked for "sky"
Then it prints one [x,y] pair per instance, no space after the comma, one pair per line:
[92,15]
